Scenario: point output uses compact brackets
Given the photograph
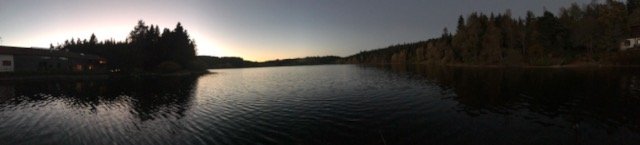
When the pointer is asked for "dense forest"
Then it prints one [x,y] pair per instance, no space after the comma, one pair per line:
[146,49]
[588,34]
[237,62]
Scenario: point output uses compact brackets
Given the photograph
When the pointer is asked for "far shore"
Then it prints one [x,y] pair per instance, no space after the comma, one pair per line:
[511,66]
[553,66]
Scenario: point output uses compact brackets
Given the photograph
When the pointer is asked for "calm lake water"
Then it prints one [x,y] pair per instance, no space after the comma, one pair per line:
[331,104]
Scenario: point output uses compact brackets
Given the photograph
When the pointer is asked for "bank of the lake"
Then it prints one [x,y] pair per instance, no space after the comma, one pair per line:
[427,65]
[592,65]
[92,75]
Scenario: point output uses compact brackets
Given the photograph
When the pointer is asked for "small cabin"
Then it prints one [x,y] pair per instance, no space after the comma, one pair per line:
[634,41]
[18,59]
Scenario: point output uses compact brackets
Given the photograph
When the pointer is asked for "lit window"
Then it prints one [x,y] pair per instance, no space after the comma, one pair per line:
[6,63]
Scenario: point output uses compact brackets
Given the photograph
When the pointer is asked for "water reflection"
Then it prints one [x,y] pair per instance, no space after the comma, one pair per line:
[147,98]
[602,97]
[331,104]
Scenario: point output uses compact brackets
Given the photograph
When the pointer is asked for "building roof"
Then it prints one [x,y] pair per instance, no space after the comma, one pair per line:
[43,52]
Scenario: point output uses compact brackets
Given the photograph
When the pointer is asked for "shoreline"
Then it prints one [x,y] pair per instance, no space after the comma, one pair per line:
[550,66]
[98,76]
[509,66]
[92,76]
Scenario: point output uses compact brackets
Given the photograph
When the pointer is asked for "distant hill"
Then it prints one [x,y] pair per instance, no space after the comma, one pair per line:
[224,62]
[237,62]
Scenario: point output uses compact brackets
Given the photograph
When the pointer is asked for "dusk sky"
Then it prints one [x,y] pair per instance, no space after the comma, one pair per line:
[253,29]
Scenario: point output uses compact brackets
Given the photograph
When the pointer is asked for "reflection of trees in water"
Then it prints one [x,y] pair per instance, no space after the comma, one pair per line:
[149,97]
[160,96]
[609,95]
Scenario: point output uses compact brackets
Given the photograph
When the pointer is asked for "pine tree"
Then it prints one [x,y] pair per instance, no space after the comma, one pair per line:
[460,23]
[93,40]
[553,34]
[491,43]
[632,5]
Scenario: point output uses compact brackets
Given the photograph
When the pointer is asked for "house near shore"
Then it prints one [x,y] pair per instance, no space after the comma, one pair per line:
[18,59]
[634,41]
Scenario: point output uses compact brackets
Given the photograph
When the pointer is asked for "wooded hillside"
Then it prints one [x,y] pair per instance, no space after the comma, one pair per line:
[589,34]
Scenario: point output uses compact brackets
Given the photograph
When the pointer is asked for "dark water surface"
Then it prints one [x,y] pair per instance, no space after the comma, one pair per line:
[331,104]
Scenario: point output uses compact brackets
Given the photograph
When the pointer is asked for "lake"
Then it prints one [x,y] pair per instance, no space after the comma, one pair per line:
[331,104]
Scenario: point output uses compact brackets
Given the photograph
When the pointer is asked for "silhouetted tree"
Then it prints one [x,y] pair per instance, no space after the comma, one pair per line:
[145,48]
[93,40]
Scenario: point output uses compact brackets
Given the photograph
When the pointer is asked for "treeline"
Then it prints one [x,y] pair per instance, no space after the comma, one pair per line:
[588,34]
[237,62]
[146,49]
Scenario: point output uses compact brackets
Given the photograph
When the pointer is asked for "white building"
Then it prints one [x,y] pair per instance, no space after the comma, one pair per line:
[7,63]
[630,43]
[634,41]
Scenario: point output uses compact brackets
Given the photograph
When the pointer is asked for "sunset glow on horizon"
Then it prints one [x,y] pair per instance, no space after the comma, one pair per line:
[254,30]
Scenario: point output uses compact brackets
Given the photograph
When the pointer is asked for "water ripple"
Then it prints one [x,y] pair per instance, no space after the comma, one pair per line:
[334,104]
